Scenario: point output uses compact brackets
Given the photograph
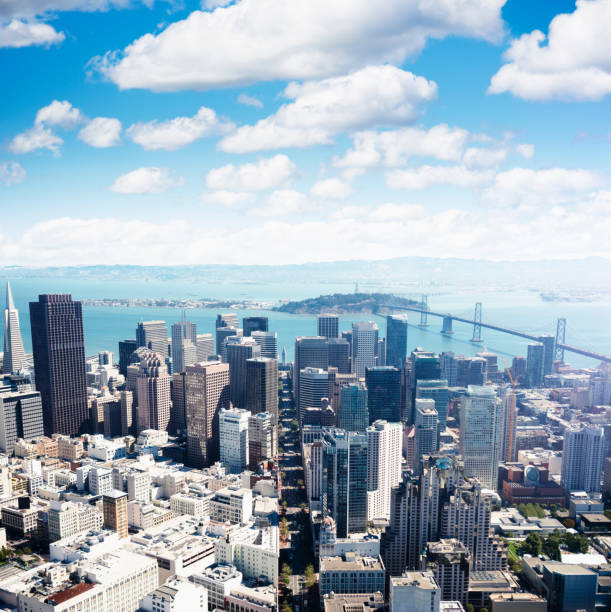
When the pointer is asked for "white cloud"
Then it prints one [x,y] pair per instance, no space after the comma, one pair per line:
[229,199]
[283,202]
[37,137]
[267,173]
[550,186]
[397,212]
[331,189]
[178,132]
[575,64]
[101,132]
[212,4]
[526,150]
[11,173]
[429,176]
[376,95]
[266,40]
[31,8]
[476,157]
[146,180]
[247,100]
[17,33]
[61,114]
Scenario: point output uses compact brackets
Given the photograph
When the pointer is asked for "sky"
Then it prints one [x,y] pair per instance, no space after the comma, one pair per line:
[289,131]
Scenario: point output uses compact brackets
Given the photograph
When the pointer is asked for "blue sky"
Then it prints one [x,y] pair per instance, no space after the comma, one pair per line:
[263,131]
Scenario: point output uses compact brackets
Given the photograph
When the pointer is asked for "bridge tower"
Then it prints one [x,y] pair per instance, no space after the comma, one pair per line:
[560,339]
[447,326]
[424,322]
[477,323]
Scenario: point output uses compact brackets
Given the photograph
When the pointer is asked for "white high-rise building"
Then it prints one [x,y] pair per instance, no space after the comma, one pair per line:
[233,436]
[414,592]
[384,446]
[481,431]
[153,383]
[426,430]
[14,355]
[268,341]
[313,386]
[364,346]
[205,347]
[582,458]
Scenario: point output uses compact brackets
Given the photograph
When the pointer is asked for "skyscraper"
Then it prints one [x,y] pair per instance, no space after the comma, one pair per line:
[383,393]
[204,344]
[328,325]
[436,390]
[154,336]
[59,363]
[222,336]
[481,430]
[14,355]
[425,366]
[262,438]
[384,444]
[339,354]
[251,324]
[114,504]
[262,386]
[352,414]
[314,385]
[207,391]
[345,480]
[154,395]
[268,342]
[510,422]
[227,319]
[582,458]
[535,358]
[184,350]
[448,367]
[238,353]
[310,352]
[233,439]
[396,340]
[549,348]
[426,431]
[126,350]
[20,417]
[178,415]
[364,346]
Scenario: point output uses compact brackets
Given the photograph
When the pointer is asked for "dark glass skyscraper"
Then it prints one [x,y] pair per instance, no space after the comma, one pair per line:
[383,393]
[396,340]
[126,349]
[58,345]
[251,324]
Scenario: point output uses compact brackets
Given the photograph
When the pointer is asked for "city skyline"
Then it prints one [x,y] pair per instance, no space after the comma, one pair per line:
[451,151]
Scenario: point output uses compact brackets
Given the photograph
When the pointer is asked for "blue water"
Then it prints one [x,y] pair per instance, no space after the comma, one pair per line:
[588,324]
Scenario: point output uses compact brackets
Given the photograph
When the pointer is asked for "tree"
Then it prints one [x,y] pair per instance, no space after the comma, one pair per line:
[532,545]
[299,482]
[310,575]
[469,608]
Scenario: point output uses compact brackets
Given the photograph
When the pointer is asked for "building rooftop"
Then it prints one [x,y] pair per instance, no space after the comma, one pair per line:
[423,580]
[351,562]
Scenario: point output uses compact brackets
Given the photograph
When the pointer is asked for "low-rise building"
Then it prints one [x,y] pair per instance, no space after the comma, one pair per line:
[351,573]
[219,580]
[176,595]
[232,504]
[414,592]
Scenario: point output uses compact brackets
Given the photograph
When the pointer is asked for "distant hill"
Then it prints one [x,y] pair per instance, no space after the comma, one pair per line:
[339,303]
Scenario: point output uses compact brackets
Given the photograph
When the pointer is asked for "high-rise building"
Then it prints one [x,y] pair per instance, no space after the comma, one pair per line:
[381,352]
[251,324]
[448,367]
[549,349]
[384,445]
[313,385]
[227,319]
[114,505]
[582,458]
[20,417]
[178,418]
[58,344]
[207,392]
[345,480]
[184,349]
[128,413]
[262,386]
[396,340]
[238,353]
[154,397]
[14,355]
[414,592]
[438,391]
[222,337]
[424,366]
[204,343]
[353,414]
[233,437]
[328,325]
[449,560]
[478,371]
[383,393]
[426,431]
[481,433]
[535,359]
[262,438]
[364,346]
[510,421]
[339,355]
[268,343]
[126,350]
[153,335]
[519,369]
[310,352]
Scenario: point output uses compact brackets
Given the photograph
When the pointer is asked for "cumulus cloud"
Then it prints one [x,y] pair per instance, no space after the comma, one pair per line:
[101,132]
[397,212]
[37,137]
[572,63]
[305,39]
[331,189]
[61,114]
[229,199]
[18,33]
[283,202]
[250,101]
[429,176]
[376,95]
[265,174]
[11,173]
[146,180]
[178,132]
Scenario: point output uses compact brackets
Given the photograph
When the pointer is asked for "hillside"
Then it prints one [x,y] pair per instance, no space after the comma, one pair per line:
[339,303]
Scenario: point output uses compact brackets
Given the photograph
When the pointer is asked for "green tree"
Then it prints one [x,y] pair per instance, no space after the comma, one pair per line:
[469,608]
[532,545]
[310,575]
[299,482]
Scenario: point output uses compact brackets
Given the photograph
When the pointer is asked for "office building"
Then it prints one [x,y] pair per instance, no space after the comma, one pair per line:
[582,458]
[328,325]
[59,363]
[310,352]
[549,349]
[364,346]
[153,335]
[262,438]
[314,386]
[353,414]
[448,367]
[345,480]
[227,319]
[114,506]
[426,431]
[262,386]
[510,420]
[448,560]
[339,355]
[535,359]
[439,392]
[176,594]
[67,518]
[252,324]
[384,445]
[222,337]
[233,437]
[204,344]
[178,414]
[351,573]
[519,370]
[154,396]
[396,340]
[478,373]
[424,366]
[481,431]
[14,355]
[129,416]
[20,417]
[414,592]
[238,353]
[383,393]
[207,392]
[184,345]
[126,350]
[268,343]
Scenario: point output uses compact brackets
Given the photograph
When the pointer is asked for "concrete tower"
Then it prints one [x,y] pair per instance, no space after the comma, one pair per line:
[14,356]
